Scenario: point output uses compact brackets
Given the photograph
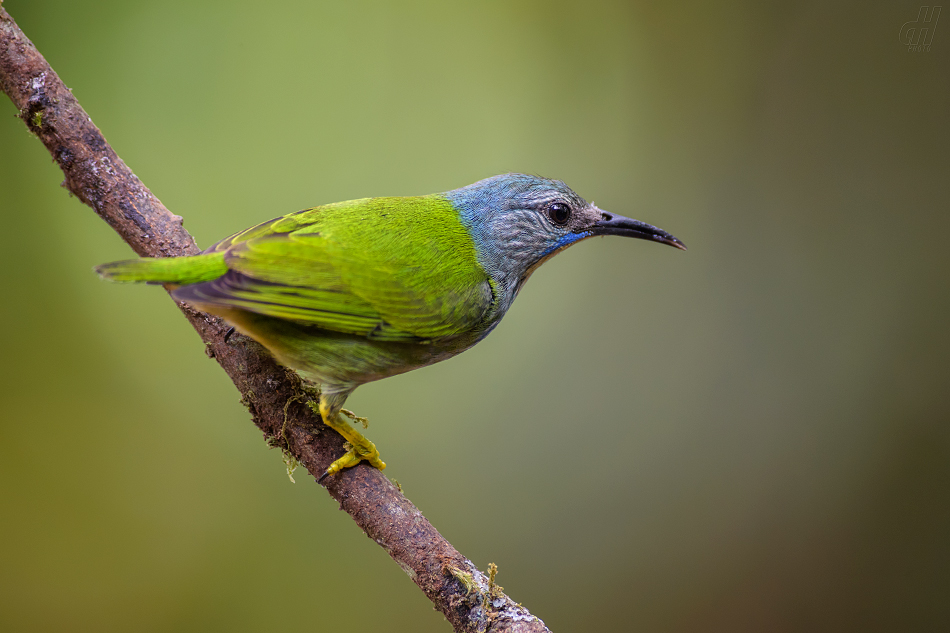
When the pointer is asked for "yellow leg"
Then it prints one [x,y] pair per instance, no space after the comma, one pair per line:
[359,448]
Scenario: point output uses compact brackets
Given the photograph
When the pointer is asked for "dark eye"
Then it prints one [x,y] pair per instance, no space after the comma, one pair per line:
[559,212]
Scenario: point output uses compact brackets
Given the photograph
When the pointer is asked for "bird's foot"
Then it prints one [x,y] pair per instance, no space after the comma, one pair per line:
[358,448]
[354,455]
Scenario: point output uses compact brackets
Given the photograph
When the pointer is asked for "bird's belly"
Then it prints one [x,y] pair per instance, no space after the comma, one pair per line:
[331,358]
[335,360]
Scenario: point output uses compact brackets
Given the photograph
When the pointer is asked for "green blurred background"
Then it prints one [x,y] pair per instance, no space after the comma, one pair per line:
[750,436]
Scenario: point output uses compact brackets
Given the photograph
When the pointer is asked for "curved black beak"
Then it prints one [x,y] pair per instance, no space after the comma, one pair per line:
[612,224]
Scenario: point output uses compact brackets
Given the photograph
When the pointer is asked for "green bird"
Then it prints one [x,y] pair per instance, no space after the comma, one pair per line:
[352,292]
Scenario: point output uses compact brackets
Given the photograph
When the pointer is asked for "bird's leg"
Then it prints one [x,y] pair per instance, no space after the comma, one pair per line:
[359,447]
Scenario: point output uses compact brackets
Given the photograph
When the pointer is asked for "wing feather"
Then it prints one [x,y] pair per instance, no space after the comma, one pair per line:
[381,277]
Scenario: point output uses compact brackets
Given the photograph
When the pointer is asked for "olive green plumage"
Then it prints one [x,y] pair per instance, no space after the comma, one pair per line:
[369,267]
[352,292]
[166,270]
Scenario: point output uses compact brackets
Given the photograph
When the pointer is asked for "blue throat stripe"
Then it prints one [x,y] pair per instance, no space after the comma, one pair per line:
[567,240]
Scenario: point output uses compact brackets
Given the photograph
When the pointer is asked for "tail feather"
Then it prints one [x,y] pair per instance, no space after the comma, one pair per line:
[164,270]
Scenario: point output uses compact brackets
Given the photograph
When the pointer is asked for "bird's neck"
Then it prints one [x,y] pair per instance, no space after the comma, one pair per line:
[507,267]
[506,283]
[498,246]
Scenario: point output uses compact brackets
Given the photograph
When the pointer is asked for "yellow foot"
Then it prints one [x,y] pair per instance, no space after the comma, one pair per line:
[354,455]
[358,447]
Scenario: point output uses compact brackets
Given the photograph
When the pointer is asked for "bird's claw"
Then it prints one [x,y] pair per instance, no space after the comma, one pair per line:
[354,455]
[355,418]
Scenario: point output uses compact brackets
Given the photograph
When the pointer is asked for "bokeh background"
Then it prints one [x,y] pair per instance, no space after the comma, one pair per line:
[753,435]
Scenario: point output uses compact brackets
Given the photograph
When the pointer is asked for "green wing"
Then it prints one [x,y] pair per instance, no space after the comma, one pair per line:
[386,268]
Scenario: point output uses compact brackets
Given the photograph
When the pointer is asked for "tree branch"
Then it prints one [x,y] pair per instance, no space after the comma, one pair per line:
[275,396]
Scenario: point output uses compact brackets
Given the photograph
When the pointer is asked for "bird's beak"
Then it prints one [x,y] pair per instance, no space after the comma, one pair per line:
[612,224]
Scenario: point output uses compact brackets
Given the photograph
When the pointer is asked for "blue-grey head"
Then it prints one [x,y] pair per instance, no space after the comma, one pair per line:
[519,221]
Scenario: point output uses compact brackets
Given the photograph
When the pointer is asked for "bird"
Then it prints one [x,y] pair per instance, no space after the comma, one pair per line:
[352,292]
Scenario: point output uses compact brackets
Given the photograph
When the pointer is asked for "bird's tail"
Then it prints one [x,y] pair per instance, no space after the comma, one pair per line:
[166,270]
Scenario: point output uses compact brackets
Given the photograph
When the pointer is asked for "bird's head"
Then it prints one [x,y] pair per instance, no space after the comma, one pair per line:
[519,221]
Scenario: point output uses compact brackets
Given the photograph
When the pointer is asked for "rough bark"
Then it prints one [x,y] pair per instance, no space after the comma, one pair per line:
[275,396]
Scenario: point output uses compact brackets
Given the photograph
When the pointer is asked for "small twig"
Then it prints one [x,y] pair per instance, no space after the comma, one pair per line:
[98,177]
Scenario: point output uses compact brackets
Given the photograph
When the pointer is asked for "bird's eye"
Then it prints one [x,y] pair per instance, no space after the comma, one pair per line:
[559,212]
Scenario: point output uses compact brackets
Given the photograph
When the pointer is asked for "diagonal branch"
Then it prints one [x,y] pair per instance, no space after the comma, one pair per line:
[275,396]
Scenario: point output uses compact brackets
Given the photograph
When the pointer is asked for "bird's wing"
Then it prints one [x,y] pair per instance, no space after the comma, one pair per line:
[376,280]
